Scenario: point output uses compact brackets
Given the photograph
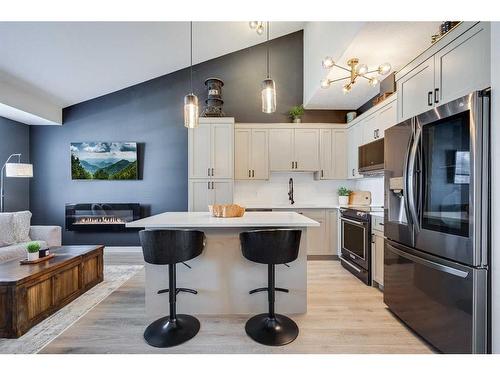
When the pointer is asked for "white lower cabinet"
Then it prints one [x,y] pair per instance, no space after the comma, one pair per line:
[204,192]
[377,252]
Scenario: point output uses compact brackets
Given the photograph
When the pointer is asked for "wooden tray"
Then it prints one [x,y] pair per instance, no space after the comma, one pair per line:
[360,198]
[26,261]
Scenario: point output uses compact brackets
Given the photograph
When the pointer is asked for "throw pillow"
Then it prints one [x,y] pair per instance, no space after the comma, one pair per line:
[22,222]
[7,234]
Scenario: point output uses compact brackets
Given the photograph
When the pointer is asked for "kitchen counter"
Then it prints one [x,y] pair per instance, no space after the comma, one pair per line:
[221,275]
[205,220]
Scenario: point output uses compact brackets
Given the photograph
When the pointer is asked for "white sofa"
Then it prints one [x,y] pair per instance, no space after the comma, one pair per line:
[15,235]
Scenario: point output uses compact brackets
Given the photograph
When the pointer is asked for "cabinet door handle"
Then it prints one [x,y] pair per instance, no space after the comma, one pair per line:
[212,172]
[249,173]
[353,171]
[296,165]
[322,174]
[208,185]
[212,185]
[429,98]
[292,164]
[208,172]
[436,95]
[253,172]
[374,134]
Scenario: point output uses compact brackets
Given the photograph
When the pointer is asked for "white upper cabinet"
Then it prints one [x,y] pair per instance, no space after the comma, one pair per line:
[386,117]
[294,149]
[259,155]
[200,151]
[463,65]
[251,160]
[332,152]
[281,156]
[415,90]
[339,154]
[326,153]
[454,66]
[354,140]
[211,149]
[370,128]
[306,149]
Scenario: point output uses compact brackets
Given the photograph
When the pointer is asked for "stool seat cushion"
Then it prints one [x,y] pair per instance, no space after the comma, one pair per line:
[161,246]
[271,246]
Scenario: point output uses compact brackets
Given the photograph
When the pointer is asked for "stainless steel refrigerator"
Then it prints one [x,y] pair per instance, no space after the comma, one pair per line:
[437,224]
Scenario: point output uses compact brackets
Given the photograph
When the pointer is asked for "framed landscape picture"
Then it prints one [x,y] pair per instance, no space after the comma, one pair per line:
[104,161]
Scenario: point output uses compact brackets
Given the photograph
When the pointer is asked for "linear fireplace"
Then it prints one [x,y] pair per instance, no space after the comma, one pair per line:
[100,217]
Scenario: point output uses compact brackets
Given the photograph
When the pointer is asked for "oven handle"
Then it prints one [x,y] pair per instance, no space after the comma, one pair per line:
[351,265]
[429,263]
[353,221]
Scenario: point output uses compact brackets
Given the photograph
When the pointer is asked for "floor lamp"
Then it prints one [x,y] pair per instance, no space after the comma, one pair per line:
[13,170]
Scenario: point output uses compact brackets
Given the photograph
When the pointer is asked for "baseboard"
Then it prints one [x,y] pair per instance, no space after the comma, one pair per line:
[122,249]
[322,257]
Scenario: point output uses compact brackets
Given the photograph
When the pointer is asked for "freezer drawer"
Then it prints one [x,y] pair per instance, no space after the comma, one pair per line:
[442,301]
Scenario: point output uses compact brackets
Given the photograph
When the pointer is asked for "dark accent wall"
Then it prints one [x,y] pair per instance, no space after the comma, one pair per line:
[151,113]
[14,139]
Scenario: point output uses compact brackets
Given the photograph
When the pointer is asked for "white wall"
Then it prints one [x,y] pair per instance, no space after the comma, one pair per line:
[275,191]
[495,188]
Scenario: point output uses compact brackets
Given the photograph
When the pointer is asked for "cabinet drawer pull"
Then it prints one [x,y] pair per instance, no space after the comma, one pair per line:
[429,98]
[253,172]
[249,173]
[436,95]
[296,165]
[292,164]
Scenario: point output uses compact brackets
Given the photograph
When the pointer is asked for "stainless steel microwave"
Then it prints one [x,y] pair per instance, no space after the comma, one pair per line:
[371,157]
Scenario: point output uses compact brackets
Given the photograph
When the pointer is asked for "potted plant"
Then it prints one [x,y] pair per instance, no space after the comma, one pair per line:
[343,193]
[296,113]
[33,248]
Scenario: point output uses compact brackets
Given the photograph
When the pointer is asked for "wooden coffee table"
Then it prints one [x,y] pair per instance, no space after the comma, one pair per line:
[31,293]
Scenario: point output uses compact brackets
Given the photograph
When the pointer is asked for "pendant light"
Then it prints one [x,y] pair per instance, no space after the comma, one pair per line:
[268,86]
[191,112]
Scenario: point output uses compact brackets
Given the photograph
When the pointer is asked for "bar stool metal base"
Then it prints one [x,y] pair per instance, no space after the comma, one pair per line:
[164,333]
[276,331]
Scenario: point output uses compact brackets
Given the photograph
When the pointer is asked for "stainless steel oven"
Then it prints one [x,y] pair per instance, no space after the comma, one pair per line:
[356,242]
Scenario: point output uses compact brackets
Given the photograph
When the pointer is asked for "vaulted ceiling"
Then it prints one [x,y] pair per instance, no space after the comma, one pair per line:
[46,66]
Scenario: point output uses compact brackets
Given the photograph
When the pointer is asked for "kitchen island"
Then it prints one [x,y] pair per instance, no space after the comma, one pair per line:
[221,275]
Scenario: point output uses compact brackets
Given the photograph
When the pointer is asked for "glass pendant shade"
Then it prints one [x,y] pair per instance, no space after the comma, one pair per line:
[325,83]
[268,96]
[328,62]
[373,82]
[384,68]
[191,112]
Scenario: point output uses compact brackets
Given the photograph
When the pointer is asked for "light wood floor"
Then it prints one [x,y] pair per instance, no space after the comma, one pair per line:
[344,316]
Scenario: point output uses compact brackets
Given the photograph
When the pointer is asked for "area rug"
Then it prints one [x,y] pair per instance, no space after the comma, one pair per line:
[46,331]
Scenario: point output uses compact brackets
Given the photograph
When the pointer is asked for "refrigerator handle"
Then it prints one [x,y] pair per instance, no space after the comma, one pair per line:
[405,178]
[429,263]
[411,179]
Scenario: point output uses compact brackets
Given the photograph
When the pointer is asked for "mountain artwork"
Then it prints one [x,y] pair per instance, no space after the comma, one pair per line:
[104,161]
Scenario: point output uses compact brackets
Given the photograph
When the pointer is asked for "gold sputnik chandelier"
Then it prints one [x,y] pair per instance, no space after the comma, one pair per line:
[355,70]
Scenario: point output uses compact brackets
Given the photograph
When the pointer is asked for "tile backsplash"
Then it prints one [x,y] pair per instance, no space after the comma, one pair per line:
[275,190]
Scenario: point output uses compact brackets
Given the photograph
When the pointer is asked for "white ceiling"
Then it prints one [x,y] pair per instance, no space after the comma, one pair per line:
[46,66]
[374,43]
[70,62]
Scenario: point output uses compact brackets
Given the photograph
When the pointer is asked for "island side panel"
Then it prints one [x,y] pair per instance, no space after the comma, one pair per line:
[223,278]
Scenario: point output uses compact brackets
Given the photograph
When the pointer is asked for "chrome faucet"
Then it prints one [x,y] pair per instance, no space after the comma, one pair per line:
[290,191]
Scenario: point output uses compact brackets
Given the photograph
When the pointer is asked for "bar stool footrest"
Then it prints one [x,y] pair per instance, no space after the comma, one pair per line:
[178,290]
[267,289]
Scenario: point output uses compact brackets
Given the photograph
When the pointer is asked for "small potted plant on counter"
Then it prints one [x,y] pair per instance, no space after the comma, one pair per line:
[296,113]
[343,193]
[33,248]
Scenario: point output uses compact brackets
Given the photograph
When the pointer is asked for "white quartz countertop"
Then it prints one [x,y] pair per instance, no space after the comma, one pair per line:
[205,220]
[296,206]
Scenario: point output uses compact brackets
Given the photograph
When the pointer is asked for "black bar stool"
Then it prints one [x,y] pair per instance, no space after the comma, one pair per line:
[171,247]
[271,247]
